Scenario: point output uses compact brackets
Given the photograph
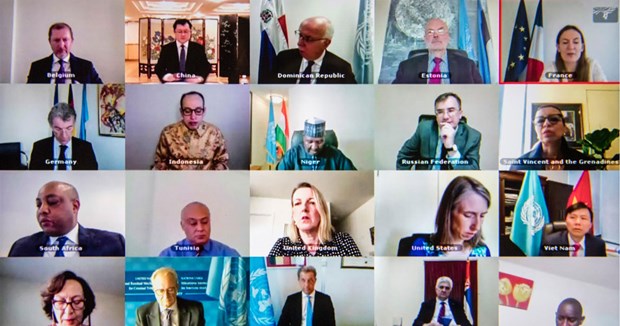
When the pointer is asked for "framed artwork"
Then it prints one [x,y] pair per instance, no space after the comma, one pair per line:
[285,261]
[573,117]
[357,262]
[515,291]
[111,110]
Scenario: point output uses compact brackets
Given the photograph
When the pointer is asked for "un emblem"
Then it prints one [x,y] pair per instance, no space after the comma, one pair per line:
[532,216]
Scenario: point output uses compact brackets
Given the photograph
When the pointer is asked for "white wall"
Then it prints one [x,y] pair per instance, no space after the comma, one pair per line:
[155,201]
[348,110]
[601,39]
[23,279]
[399,283]
[407,203]
[102,201]
[358,225]
[97,31]
[600,303]
[398,108]
[20,103]
[516,117]
[6,42]
[333,280]
[343,17]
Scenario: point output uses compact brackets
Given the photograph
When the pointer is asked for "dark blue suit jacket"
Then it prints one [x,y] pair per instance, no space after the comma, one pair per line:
[289,61]
[462,69]
[323,311]
[427,309]
[195,62]
[82,152]
[93,242]
[84,71]
[595,247]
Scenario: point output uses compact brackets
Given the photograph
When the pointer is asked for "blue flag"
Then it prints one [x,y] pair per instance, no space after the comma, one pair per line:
[519,47]
[272,148]
[56,94]
[362,54]
[261,309]
[484,46]
[464,41]
[227,281]
[530,215]
[84,115]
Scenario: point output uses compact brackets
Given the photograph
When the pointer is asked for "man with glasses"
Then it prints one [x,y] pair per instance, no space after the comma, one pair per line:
[438,65]
[191,144]
[311,63]
[442,311]
[552,152]
[443,143]
[183,60]
[169,309]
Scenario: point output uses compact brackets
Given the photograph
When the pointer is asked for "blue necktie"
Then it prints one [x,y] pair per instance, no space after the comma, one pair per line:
[61,242]
[60,79]
[309,311]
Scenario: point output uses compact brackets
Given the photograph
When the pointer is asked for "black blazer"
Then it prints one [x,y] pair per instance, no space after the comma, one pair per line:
[94,242]
[462,69]
[195,63]
[82,152]
[288,62]
[323,311]
[565,152]
[191,313]
[595,247]
[427,309]
[84,71]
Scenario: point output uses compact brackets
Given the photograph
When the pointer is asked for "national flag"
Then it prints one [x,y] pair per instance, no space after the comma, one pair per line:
[464,41]
[71,104]
[582,193]
[56,94]
[272,152]
[227,281]
[282,131]
[485,47]
[467,302]
[84,115]
[364,43]
[519,47]
[273,39]
[536,60]
[530,215]
[261,309]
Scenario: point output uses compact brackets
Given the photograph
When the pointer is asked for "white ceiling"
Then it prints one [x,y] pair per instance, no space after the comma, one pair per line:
[135,9]
[345,190]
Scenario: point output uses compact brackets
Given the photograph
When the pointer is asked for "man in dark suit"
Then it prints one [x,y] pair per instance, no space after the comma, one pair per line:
[439,65]
[58,204]
[62,151]
[168,309]
[314,307]
[433,312]
[311,63]
[183,60]
[576,241]
[62,66]
[445,143]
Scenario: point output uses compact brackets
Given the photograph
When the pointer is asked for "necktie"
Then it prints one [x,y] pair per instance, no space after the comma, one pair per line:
[309,311]
[167,318]
[306,79]
[442,311]
[576,251]
[436,70]
[61,242]
[61,157]
[182,59]
[60,79]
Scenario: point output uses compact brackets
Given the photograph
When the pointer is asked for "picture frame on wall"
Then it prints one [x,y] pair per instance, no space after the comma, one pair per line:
[111,110]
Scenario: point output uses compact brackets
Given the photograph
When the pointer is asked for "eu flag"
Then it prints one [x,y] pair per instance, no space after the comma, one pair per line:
[519,47]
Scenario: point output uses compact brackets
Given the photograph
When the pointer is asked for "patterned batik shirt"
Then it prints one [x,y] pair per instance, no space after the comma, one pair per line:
[181,148]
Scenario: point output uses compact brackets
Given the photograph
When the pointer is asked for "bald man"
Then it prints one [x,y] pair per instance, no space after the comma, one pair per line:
[58,205]
[311,63]
[196,223]
[569,313]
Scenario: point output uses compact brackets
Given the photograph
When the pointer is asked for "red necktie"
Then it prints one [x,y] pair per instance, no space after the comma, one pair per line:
[436,70]
[577,247]
[442,310]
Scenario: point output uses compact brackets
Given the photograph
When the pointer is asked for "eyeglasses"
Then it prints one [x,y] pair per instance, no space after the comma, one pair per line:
[76,304]
[449,111]
[306,38]
[432,32]
[161,292]
[553,119]
[188,111]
